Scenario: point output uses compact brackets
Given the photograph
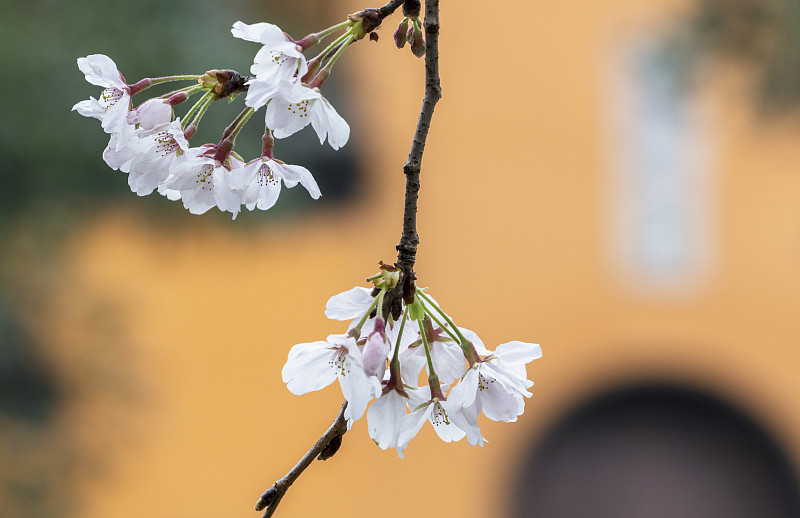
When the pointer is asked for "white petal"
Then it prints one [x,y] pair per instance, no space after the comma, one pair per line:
[292,174]
[328,123]
[258,32]
[518,352]
[384,419]
[100,70]
[349,304]
[358,389]
[411,425]
[444,426]
[309,367]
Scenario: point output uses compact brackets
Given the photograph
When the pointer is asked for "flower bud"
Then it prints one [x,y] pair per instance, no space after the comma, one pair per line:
[366,21]
[331,448]
[178,98]
[417,41]
[411,8]
[223,83]
[400,36]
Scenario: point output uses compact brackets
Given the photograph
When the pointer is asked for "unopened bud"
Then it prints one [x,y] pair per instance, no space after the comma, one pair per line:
[190,130]
[411,8]
[267,498]
[331,448]
[400,36]
[417,41]
[222,83]
[178,98]
[366,21]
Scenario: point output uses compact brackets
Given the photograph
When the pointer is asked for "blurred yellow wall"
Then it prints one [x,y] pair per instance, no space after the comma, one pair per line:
[517,196]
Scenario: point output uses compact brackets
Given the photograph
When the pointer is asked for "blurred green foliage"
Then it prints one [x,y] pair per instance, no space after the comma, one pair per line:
[52,156]
[764,35]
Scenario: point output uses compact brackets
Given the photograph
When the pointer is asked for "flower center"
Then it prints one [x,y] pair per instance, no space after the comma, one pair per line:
[165,143]
[300,109]
[483,383]
[337,362]
[204,177]
[265,176]
[111,95]
[439,416]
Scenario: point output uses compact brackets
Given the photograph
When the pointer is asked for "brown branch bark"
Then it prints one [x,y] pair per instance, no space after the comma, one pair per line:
[406,248]
[270,499]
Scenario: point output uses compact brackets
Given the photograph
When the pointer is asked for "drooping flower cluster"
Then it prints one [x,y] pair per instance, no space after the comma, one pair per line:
[383,360]
[151,144]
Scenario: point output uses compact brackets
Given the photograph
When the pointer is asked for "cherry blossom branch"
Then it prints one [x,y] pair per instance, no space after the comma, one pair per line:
[407,247]
[389,8]
[328,444]
[324,448]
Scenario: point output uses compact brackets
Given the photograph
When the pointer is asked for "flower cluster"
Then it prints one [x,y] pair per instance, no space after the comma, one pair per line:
[382,359]
[151,144]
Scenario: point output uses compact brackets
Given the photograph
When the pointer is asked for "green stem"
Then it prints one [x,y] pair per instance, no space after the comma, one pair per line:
[439,322]
[396,356]
[332,46]
[447,319]
[203,101]
[243,117]
[188,90]
[366,315]
[433,379]
[350,38]
[332,29]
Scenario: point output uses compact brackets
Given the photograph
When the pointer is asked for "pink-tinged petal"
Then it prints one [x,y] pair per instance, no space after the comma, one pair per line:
[374,354]
[152,113]
[100,70]
[350,304]
[384,419]
[309,367]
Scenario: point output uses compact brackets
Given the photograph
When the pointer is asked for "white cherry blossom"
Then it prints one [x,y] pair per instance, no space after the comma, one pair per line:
[114,102]
[315,365]
[295,106]
[280,59]
[385,418]
[449,420]
[205,182]
[496,385]
[260,181]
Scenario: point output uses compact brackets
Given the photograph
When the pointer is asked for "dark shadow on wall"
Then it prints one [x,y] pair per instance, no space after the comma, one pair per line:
[657,451]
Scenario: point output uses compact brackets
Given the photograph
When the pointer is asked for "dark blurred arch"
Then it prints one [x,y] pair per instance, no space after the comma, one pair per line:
[652,451]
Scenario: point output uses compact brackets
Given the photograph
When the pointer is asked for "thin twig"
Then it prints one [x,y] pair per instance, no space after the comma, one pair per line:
[270,499]
[407,247]
[389,8]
